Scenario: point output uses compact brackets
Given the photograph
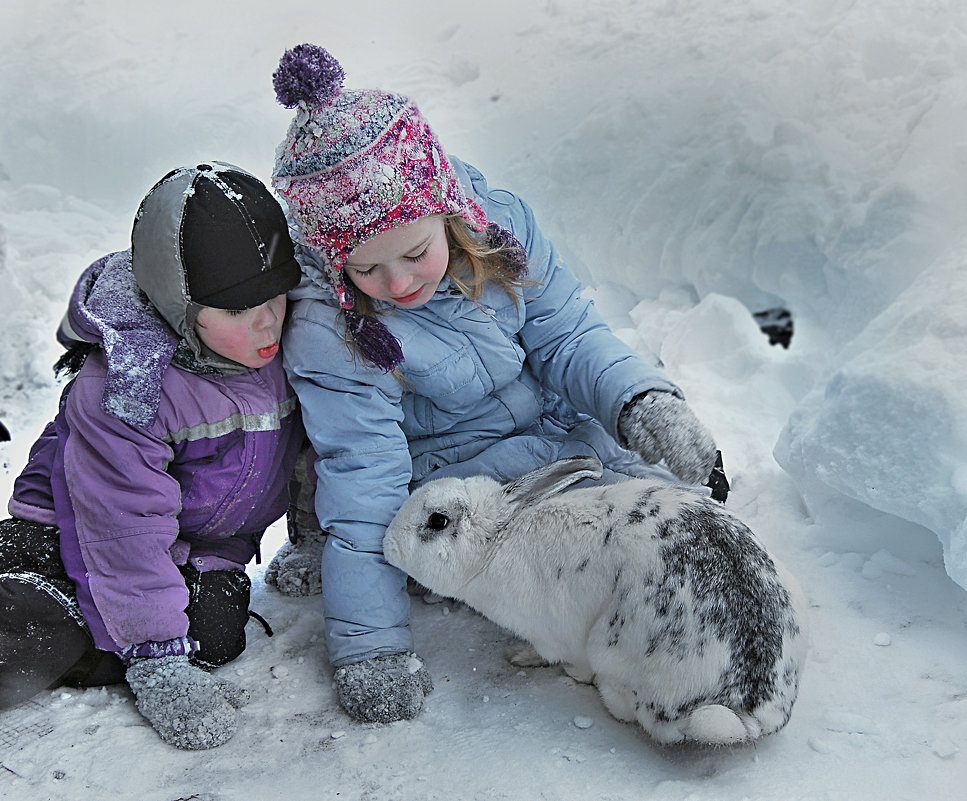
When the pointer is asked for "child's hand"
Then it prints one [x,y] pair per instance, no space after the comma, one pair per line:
[385,688]
[660,425]
[188,707]
[296,568]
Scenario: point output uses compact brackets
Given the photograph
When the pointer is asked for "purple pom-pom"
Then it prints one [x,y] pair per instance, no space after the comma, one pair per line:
[307,72]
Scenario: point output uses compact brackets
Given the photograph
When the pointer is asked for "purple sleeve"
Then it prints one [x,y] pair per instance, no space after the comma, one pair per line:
[117,512]
[31,498]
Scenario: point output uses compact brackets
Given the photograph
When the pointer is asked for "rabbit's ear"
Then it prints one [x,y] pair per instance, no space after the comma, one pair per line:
[551,479]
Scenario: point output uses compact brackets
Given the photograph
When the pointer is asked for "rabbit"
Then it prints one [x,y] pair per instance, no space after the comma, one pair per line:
[649,590]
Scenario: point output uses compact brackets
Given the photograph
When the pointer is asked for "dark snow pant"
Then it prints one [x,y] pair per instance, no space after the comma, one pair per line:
[44,641]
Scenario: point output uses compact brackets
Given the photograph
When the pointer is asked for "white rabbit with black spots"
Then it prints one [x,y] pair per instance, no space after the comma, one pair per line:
[652,591]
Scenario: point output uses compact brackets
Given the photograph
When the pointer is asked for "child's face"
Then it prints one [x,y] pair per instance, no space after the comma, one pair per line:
[403,265]
[249,337]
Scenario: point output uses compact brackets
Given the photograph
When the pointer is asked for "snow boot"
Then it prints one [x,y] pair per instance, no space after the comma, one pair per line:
[42,636]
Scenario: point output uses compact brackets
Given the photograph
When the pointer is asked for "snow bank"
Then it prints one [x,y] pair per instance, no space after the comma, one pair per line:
[824,179]
[889,428]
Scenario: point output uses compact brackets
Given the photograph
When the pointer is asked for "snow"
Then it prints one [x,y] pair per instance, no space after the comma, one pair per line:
[695,161]
[888,428]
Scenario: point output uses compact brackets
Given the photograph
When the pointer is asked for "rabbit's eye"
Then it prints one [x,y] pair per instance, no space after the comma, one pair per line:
[437,521]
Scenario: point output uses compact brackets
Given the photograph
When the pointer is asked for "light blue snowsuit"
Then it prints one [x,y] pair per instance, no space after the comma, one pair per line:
[496,387]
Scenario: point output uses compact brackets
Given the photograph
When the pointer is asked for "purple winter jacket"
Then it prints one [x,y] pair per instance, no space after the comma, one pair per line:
[200,479]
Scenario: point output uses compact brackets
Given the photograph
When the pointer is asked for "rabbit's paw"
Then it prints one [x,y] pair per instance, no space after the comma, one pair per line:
[522,654]
[580,673]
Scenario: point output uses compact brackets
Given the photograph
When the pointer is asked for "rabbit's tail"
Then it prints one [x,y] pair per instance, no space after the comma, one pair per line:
[712,724]
[715,724]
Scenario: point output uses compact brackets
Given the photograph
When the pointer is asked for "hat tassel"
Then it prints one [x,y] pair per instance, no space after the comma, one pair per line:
[374,340]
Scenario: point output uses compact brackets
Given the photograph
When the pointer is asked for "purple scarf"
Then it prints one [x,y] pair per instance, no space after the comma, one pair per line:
[108,308]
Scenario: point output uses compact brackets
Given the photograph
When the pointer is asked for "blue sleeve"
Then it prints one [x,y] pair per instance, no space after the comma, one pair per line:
[352,416]
[570,348]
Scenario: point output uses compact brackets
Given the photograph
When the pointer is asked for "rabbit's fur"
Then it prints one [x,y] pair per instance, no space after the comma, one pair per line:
[667,602]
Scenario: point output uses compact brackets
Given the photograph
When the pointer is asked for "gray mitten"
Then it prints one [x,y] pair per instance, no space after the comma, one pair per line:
[385,688]
[188,707]
[296,568]
[660,425]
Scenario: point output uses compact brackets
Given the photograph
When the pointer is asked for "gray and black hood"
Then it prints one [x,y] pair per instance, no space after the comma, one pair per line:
[210,235]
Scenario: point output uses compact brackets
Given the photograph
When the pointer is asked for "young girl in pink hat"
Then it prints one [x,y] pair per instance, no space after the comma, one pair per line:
[436,332]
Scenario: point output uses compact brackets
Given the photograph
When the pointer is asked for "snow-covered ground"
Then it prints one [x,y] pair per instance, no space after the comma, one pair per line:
[696,161]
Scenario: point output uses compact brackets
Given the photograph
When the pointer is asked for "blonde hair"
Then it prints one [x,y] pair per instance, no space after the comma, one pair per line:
[475,260]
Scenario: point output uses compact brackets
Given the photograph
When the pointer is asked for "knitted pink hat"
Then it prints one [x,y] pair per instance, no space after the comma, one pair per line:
[356,163]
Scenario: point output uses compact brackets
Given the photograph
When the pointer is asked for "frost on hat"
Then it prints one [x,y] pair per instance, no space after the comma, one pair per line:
[211,235]
[352,165]
[235,243]
[356,163]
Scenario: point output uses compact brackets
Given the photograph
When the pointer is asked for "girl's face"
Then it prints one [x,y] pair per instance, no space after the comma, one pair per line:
[403,265]
[249,337]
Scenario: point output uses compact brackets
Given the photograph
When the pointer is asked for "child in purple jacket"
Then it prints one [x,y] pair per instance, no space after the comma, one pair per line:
[144,499]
